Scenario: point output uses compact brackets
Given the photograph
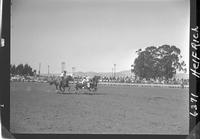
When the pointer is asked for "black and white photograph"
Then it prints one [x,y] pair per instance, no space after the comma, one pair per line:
[99,67]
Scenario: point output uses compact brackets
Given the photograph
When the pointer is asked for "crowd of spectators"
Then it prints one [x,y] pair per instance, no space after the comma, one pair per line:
[144,81]
[20,78]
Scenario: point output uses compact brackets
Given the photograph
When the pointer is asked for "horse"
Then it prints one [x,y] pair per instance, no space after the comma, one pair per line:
[61,84]
[92,84]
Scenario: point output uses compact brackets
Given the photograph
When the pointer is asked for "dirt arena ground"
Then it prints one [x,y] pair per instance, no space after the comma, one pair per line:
[37,108]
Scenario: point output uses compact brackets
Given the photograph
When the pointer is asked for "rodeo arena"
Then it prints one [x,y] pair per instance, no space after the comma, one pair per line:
[73,103]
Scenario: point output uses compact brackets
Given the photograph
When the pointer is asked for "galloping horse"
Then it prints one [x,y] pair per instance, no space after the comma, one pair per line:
[94,83]
[92,86]
[61,84]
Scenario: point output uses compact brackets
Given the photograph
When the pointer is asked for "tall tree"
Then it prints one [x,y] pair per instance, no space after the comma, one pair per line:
[158,62]
[170,60]
[19,69]
[12,69]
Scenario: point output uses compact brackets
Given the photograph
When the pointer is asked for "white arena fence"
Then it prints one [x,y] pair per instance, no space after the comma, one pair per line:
[117,84]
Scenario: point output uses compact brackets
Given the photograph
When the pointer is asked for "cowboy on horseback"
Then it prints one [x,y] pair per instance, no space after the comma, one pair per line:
[86,81]
[63,76]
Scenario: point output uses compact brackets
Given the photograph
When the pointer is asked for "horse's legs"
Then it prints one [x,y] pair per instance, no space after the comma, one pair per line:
[60,88]
[57,90]
[76,88]
[63,89]
[69,89]
[95,87]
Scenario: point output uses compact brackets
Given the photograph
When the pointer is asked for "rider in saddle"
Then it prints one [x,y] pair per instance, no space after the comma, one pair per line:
[86,81]
[63,75]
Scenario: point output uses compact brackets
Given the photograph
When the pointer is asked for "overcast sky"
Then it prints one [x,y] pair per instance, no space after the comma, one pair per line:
[93,35]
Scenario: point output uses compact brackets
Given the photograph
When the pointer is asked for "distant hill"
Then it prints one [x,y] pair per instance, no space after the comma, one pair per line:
[108,74]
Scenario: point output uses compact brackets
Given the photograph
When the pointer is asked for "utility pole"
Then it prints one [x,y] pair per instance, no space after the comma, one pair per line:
[48,70]
[73,70]
[62,66]
[114,70]
[39,69]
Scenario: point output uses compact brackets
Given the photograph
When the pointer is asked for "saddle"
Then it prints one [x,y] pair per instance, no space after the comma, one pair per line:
[64,82]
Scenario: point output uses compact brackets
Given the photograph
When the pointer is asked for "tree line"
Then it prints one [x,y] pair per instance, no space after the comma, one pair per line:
[160,62]
[23,70]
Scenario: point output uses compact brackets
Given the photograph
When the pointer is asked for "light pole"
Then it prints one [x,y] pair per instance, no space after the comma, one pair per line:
[48,70]
[62,66]
[114,70]
[39,69]
[73,70]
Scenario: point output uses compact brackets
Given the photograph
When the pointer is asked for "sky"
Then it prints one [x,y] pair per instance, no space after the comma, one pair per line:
[93,35]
